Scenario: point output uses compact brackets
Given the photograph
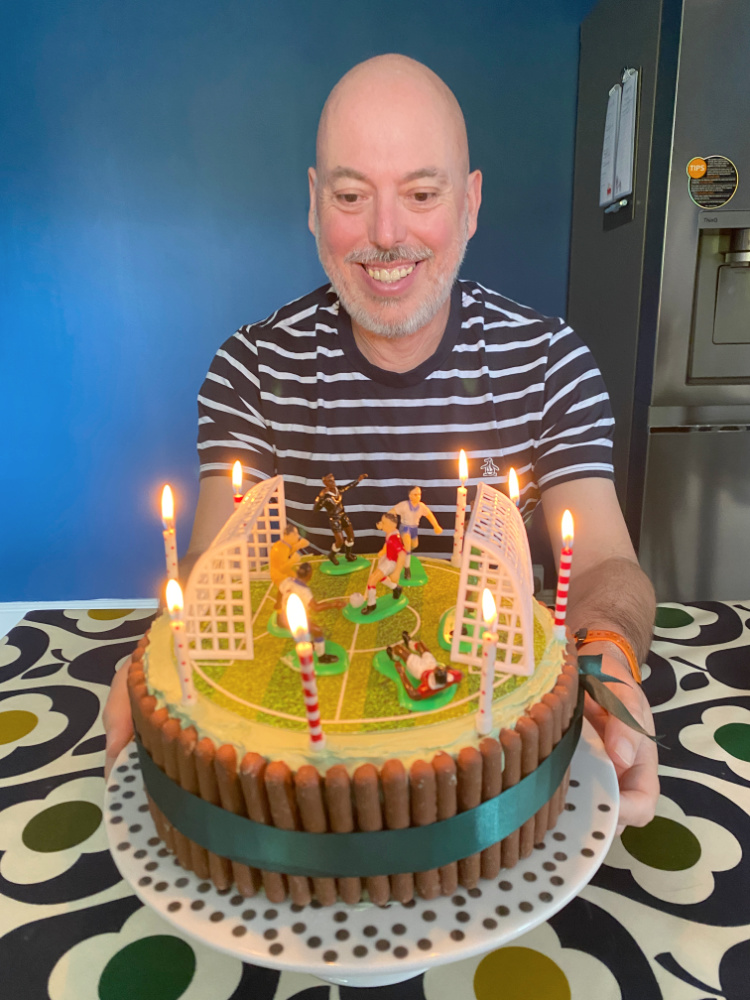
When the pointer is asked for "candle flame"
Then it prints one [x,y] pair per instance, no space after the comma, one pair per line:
[237,476]
[463,467]
[513,491]
[567,528]
[489,610]
[167,504]
[174,597]
[295,615]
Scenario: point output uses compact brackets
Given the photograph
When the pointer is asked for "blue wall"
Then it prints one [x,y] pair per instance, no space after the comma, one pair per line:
[153,198]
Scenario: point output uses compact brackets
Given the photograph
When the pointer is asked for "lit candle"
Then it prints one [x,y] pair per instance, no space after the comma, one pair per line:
[297,619]
[174,603]
[513,491]
[458,534]
[237,481]
[170,538]
[489,652]
[563,578]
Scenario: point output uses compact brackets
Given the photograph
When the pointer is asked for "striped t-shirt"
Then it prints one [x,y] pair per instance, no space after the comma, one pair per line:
[293,395]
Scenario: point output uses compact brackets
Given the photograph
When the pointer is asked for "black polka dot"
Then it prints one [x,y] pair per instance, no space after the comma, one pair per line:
[130,777]
[597,835]
[459,901]
[163,853]
[398,929]
[239,930]
[556,880]
[313,942]
[369,931]
[549,866]
[224,892]
[113,788]
[299,928]
[424,944]
[360,951]
[340,917]
[463,917]
[604,807]
[558,835]
[458,935]
[296,908]
[270,914]
[174,907]
[526,907]
[181,882]
[574,783]
[382,945]
[145,880]
[502,911]
[429,915]
[151,866]
[153,841]
[570,807]
[116,806]
[276,949]
[587,852]
[505,886]
[128,795]
[136,767]
[546,897]
[271,934]
[140,854]
[143,809]
[342,935]
[475,893]
[489,923]
[204,887]
[197,904]
[115,820]
[161,886]
[560,856]
[330,956]
[409,904]
[529,877]
[122,768]
[248,914]
[400,952]
[216,917]
[540,846]
[236,900]
[123,846]
[316,904]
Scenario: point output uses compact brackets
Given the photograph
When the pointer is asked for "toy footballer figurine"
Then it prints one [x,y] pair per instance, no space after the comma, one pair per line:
[330,500]
[299,584]
[416,657]
[284,556]
[389,567]
[411,512]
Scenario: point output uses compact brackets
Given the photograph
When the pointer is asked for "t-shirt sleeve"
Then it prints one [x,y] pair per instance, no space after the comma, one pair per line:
[576,429]
[231,424]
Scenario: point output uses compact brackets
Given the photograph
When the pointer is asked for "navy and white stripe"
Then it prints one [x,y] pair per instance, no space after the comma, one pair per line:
[293,395]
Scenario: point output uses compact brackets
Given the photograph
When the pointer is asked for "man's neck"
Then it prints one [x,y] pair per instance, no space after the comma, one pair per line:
[403,354]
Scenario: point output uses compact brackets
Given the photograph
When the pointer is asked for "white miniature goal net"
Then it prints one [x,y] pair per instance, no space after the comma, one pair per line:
[496,556]
[218,605]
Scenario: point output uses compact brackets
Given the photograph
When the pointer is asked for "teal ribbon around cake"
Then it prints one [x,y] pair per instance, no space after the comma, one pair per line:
[385,852]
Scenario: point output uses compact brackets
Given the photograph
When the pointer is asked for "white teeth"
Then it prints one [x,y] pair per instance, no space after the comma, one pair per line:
[392,275]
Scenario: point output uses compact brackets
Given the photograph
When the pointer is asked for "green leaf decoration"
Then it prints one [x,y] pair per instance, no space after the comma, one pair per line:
[611,703]
[592,667]
[672,618]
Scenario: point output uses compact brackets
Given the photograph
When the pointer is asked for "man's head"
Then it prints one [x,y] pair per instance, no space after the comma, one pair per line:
[303,572]
[329,481]
[415,495]
[392,202]
[291,534]
[388,523]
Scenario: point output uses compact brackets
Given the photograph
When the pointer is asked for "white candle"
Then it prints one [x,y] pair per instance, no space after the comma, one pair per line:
[297,619]
[185,670]
[458,534]
[513,491]
[237,481]
[489,653]
[563,578]
[170,537]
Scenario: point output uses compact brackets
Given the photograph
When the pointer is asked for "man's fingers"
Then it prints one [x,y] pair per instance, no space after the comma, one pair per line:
[635,758]
[118,722]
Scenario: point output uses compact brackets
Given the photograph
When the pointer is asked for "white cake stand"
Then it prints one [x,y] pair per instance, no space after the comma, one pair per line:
[366,945]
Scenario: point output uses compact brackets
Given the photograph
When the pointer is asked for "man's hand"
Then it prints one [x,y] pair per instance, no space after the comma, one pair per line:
[634,755]
[118,722]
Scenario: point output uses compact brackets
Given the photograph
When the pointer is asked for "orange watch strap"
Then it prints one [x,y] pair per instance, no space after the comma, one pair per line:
[585,635]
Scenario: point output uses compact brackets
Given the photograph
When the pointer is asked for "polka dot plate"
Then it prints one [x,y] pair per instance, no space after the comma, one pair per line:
[365,944]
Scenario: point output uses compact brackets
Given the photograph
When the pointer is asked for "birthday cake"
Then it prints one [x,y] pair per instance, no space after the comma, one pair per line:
[407,726]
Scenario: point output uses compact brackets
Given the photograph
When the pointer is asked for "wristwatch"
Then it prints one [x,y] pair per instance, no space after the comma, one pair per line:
[586,635]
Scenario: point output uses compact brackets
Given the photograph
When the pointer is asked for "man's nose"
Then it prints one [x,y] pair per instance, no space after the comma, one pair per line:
[388,225]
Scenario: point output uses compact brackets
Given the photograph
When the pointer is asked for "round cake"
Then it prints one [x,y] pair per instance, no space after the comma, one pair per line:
[399,716]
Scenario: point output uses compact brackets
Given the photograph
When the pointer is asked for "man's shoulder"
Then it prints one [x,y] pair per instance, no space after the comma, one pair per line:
[484,309]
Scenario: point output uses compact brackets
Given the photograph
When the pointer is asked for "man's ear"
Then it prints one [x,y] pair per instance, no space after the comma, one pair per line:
[312,178]
[473,200]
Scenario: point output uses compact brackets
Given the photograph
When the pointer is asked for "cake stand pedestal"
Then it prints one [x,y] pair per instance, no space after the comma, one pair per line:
[366,945]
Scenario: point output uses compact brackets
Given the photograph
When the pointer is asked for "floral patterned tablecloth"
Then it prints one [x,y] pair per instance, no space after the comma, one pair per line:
[666,916]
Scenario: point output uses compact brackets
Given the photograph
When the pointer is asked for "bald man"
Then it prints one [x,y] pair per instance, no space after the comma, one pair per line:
[395,365]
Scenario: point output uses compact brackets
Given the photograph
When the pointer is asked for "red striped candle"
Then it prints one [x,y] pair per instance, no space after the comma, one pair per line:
[563,578]
[297,619]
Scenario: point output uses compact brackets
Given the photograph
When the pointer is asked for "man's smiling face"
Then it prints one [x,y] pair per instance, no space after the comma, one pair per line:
[392,204]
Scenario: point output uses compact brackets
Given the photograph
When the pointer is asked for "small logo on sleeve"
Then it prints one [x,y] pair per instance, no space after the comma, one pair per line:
[489,469]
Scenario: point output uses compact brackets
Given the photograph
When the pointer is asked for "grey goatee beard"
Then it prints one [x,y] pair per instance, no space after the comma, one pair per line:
[371,320]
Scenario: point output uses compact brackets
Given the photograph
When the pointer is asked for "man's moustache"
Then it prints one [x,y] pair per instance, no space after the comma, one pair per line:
[370,255]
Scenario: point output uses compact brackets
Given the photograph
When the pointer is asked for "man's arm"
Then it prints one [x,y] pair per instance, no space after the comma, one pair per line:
[215,505]
[608,590]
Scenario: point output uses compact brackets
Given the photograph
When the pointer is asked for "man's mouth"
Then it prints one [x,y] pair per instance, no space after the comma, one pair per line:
[388,275]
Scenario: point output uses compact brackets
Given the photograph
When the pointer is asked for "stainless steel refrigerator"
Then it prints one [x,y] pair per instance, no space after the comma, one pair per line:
[659,282]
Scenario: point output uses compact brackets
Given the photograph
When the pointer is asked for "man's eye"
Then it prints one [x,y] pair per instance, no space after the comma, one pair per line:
[348,198]
[423,196]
